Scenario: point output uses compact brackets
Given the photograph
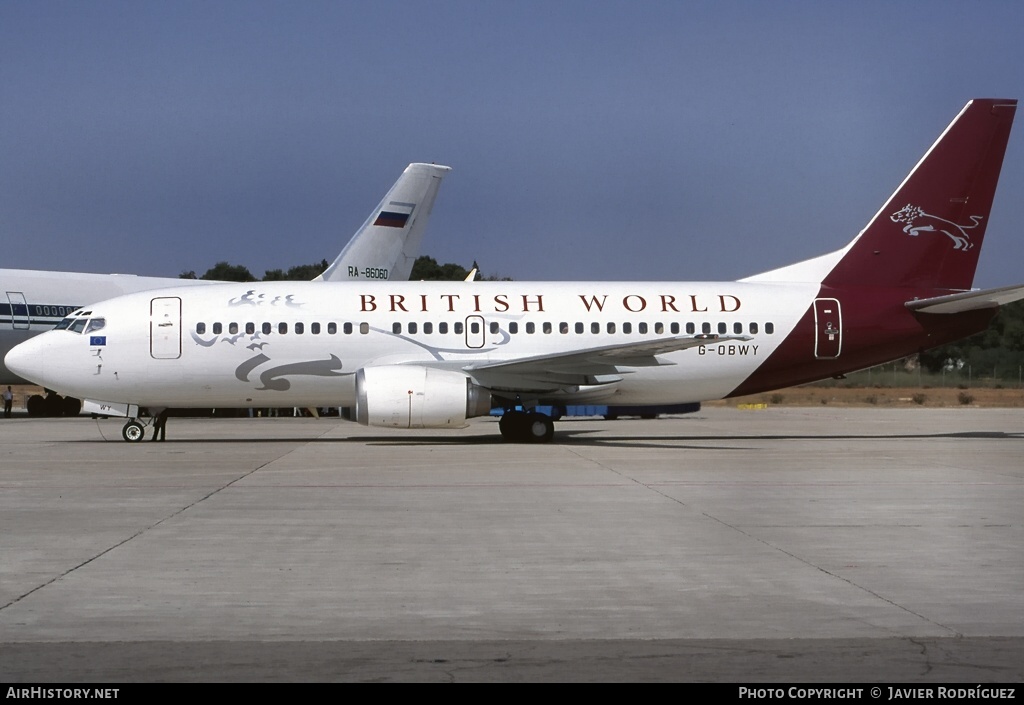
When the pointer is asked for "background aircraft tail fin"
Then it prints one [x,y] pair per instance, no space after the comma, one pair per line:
[390,238]
[929,233]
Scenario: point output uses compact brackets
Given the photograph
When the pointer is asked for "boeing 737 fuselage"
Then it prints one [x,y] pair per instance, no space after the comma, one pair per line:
[431,355]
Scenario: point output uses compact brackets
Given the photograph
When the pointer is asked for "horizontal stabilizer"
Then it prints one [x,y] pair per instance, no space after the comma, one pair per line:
[968,300]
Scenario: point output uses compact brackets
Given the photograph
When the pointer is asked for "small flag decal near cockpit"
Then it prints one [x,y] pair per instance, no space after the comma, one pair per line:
[97,340]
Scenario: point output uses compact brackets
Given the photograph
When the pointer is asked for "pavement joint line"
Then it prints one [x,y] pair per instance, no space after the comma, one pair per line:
[145,529]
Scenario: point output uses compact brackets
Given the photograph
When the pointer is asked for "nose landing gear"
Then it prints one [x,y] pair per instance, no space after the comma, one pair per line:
[133,431]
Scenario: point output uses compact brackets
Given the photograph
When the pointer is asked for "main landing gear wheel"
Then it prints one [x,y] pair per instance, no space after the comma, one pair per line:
[526,427]
[133,432]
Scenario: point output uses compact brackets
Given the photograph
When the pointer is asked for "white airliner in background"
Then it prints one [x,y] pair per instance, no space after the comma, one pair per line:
[384,248]
[432,354]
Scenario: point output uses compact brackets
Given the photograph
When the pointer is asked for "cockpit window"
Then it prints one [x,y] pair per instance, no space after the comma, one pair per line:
[65,323]
[95,324]
[79,325]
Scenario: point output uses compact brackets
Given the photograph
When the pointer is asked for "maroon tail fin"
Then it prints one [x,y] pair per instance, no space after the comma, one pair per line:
[929,233]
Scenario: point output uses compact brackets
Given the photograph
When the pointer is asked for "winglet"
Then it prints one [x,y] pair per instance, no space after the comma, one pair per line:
[388,243]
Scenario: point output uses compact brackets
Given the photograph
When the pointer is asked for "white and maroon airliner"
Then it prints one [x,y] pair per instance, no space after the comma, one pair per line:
[432,354]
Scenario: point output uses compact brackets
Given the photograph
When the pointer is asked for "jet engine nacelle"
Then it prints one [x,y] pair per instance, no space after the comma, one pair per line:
[410,396]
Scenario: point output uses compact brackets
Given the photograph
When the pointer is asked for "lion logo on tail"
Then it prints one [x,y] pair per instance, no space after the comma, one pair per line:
[928,223]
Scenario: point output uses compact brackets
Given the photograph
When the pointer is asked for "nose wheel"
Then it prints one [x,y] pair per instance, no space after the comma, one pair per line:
[133,431]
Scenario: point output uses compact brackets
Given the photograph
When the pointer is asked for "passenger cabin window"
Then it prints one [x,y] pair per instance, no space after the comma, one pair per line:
[494,327]
[396,328]
[547,327]
[457,328]
[314,328]
[641,328]
[364,328]
[332,328]
[267,328]
[412,328]
[531,328]
[690,329]
[705,328]
[723,328]
[200,327]
[428,328]
[753,327]
[659,328]
[769,328]
[442,328]
[627,328]
[563,327]
[675,329]
[233,328]
[300,328]
[250,328]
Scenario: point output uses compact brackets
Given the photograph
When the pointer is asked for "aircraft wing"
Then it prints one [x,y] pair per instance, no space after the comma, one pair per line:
[968,300]
[583,367]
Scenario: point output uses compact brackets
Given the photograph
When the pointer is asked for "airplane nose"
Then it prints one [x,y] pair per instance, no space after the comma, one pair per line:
[27,360]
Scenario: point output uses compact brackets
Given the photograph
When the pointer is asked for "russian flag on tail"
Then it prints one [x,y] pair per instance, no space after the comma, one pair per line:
[394,215]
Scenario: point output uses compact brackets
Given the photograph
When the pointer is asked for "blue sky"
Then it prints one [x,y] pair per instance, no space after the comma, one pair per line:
[588,140]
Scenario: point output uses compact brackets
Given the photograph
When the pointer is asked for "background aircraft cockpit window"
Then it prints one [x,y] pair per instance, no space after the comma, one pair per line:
[95,324]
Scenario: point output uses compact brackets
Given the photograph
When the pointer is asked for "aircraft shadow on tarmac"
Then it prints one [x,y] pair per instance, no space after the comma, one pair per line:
[589,437]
